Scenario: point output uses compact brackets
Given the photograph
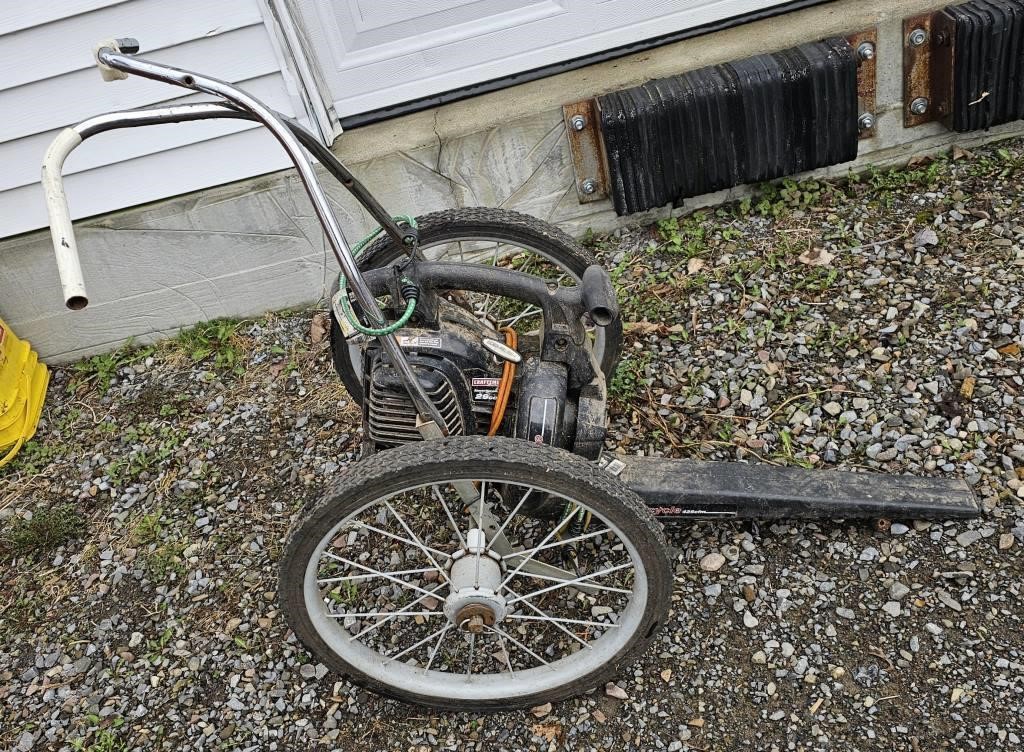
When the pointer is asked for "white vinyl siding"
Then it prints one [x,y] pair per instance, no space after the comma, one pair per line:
[48,80]
[376,53]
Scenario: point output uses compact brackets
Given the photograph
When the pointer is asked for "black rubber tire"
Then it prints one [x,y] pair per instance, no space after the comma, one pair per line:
[461,457]
[467,223]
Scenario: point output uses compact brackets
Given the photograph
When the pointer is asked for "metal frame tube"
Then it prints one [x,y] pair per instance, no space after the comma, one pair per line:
[182,113]
[321,206]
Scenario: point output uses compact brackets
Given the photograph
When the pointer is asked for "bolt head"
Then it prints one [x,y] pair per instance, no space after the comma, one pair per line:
[866,51]
[578,122]
[918,37]
[866,121]
[919,106]
[589,186]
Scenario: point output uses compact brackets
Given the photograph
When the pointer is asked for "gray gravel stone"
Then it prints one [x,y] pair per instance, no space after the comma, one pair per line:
[894,357]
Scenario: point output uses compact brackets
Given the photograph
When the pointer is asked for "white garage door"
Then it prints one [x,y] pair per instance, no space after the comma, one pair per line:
[377,53]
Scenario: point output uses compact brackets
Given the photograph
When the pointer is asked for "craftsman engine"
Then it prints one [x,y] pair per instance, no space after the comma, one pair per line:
[459,375]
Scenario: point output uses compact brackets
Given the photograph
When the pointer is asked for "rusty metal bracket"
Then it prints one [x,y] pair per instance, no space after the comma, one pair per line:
[928,49]
[583,128]
[865,46]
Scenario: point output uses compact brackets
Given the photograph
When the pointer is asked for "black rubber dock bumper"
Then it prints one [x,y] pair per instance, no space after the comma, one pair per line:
[680,490]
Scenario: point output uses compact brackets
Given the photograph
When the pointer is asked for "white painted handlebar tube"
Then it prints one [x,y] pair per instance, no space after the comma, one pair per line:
[61,230]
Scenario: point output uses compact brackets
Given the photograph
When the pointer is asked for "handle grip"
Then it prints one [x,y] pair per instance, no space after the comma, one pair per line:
[61,230]
[599,299]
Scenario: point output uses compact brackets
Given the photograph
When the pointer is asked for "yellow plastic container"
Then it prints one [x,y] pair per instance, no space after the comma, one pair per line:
[23,381]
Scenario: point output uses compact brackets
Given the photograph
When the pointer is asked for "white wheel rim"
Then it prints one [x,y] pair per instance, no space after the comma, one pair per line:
[430,660]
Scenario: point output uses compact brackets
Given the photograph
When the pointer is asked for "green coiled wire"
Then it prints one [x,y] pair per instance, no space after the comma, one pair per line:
[346,307]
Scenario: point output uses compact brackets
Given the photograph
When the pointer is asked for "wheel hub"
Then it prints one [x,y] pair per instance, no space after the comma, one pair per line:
[473,603]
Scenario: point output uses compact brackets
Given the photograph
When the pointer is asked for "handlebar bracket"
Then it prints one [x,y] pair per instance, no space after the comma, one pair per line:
[123,46]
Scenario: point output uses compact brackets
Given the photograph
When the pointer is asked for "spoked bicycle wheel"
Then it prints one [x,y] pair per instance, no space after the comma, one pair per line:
[399,582]
[498,237]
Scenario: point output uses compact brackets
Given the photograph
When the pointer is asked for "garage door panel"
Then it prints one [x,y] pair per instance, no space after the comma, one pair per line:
[378,53]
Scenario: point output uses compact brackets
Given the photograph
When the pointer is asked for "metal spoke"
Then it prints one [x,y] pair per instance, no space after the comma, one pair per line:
[385,575]
[581,622]
[472,649]
[562,579]
[504,649]
[328,580]
[569,632]
[444,505]
[480,525]
[381,623]
[508,519]
[529,553]
[569,583]
[400,538]
[429,637]
[480,509]
[437,646]
[415,537]
[507,636]
[548,537]
[389,614]
[511,320]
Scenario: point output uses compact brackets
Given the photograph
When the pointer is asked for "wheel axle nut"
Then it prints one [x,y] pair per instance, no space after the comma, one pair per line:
[918,37]
[589,186]
[866,51]
[578,122]
[475,618]
[919,106]
[866,121]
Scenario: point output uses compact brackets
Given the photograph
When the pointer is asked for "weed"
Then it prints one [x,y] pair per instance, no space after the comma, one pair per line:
[218,339]
[104,741]
[590,239]
[686,236]
[47,529]
[726,431]
[817,279]
[147,530]
[156,646]
[788,453]
[101,369]
[35,456]
[165,561]
[629,374]
[151,445]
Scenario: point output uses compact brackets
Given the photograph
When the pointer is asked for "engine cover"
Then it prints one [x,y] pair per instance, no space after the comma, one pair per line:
[458,374]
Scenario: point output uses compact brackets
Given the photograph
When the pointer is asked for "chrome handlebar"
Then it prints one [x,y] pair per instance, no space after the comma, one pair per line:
[114,63]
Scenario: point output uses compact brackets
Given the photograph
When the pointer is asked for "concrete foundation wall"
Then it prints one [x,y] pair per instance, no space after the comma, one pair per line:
[253,246]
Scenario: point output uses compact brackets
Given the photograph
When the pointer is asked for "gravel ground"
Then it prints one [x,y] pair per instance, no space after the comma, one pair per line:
[869,324]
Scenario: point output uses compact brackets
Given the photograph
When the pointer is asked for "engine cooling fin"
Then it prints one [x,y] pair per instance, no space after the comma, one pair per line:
[391,415]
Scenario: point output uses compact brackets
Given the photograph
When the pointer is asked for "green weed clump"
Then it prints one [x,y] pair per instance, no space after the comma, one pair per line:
[44,531]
